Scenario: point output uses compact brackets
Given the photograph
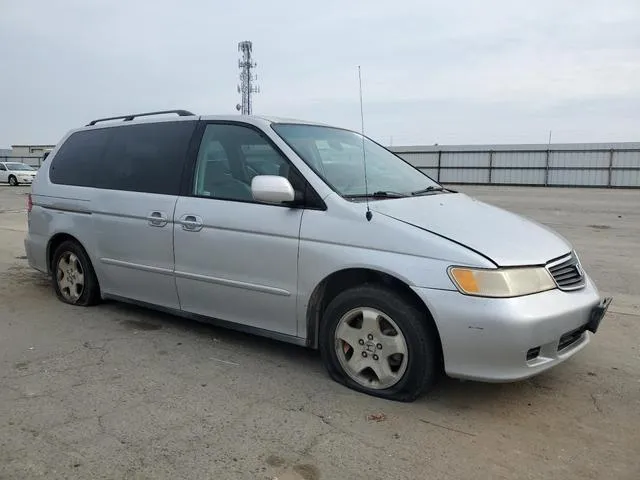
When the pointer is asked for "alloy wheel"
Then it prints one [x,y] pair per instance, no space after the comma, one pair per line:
[371,348]
[70,277]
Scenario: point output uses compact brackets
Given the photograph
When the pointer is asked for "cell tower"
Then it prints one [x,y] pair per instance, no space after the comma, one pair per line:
[246,87]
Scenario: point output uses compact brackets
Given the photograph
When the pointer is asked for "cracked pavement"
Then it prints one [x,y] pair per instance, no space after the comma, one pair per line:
[117,391]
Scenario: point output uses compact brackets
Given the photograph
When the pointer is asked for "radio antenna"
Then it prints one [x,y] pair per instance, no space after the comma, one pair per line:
[369,214]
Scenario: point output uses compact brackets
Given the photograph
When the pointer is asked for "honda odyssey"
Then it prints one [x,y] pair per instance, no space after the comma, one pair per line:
[313,235]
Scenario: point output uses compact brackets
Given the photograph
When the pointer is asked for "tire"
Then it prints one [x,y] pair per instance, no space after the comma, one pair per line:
[70,264]
[13,181]
[418,335]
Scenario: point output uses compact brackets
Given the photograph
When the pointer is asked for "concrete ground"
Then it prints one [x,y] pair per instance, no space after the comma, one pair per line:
[121,392]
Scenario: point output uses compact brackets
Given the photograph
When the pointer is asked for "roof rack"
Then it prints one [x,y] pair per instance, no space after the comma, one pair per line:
[128,118]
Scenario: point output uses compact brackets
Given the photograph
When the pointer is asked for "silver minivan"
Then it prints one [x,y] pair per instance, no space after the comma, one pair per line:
[313,235]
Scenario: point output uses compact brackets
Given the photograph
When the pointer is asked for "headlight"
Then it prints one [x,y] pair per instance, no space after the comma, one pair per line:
[501,282]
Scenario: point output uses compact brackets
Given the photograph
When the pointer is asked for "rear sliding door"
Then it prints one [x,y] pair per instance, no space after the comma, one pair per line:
[138,183]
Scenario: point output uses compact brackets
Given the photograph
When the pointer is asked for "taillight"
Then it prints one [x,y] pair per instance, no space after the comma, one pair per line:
[29,203]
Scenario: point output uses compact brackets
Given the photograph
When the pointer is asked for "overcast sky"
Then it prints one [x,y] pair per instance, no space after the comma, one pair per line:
[490,71]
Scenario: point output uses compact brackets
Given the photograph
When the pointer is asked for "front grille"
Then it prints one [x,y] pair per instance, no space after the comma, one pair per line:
[571,337]
[567,273]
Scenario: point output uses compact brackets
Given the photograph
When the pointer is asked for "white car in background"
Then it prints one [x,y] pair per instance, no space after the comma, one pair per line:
[15,173]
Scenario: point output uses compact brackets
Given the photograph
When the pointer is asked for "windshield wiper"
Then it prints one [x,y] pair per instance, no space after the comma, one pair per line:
[429,189]
[378,194]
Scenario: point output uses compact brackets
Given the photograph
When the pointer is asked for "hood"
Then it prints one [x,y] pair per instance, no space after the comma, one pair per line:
[504,237]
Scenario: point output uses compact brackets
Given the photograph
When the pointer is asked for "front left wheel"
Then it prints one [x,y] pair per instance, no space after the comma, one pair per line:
[74,279]
[375,340]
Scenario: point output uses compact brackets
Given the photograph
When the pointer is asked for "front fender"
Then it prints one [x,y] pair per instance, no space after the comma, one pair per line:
[333,242]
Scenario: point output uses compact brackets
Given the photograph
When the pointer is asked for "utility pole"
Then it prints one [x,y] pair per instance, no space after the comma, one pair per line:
[246,87]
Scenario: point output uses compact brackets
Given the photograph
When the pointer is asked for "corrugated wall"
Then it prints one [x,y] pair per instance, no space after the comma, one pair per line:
[577,165]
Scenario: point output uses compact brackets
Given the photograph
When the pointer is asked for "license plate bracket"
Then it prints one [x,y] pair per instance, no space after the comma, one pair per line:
[597,313]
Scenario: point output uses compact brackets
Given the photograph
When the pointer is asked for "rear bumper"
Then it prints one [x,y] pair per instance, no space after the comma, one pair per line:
[500,340]
[35,248]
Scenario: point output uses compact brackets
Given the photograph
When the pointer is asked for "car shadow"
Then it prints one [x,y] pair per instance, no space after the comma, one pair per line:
[144,318]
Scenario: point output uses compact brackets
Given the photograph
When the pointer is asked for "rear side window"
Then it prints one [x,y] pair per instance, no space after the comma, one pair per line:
[146,158]
[76,161]
[140,158]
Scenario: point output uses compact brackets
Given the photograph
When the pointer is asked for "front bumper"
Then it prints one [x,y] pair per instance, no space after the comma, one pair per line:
[25,179]
[500,340]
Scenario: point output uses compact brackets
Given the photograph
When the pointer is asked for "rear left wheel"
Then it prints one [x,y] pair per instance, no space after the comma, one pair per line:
[374,340]
[74,279]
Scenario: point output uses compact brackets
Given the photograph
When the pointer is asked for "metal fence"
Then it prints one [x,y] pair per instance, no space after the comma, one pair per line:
[612,165]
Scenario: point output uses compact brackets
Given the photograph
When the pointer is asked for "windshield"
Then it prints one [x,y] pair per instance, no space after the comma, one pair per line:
[18,166]
[336,155]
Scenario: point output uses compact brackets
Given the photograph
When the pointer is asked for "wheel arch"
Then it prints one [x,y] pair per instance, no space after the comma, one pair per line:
[55,242]
[341,280]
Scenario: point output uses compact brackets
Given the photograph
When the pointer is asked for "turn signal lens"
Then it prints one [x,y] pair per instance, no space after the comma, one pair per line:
[466,280]
[501,282]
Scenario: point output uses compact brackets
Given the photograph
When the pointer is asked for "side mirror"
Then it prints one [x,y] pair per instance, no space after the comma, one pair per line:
[272,189]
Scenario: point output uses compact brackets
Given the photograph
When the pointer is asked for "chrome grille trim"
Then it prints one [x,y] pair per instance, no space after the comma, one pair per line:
[567,272]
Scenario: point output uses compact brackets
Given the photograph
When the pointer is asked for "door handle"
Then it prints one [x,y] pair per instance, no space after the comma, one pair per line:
[157,219]
[191,223]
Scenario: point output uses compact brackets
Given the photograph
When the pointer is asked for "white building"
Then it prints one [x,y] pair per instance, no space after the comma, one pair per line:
[30,150]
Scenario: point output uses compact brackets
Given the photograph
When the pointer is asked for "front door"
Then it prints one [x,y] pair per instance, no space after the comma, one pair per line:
[236,259]
[4,177]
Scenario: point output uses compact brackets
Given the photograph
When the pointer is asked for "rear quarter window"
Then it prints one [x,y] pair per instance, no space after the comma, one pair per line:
[76,160]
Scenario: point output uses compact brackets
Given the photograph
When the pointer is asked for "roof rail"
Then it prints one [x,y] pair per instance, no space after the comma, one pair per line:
[128,118]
